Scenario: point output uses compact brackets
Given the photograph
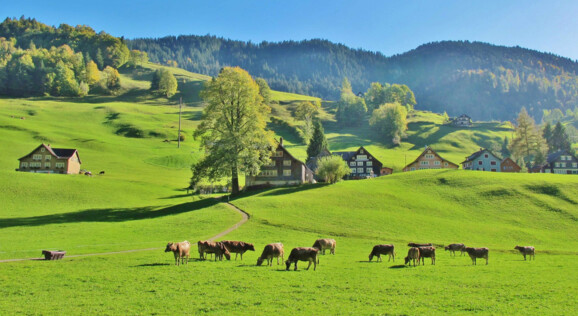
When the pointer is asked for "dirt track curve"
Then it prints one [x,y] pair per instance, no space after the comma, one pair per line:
[217,236]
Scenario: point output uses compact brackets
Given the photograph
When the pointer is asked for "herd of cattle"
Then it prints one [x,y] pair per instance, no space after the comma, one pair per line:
[415,253]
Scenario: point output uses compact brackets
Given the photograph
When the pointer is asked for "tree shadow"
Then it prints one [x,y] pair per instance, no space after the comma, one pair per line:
[108,214]
[290,190]
[153,265]
[398,266]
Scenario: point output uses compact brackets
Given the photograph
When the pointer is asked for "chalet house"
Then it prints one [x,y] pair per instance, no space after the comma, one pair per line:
[45,159]
[363,164]
[283,169]
[561,162]
[429,159]
[508,165]
[483,160]
[462,121]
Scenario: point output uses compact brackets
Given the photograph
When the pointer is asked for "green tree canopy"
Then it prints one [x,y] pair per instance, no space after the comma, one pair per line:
[306,111]
[164,83]
[318,142]
[264,90]
[560,140]
[528,141]
[332,168]
[390,120]
[232,130]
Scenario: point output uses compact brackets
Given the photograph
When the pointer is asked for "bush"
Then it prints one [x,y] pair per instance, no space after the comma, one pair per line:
[332,168]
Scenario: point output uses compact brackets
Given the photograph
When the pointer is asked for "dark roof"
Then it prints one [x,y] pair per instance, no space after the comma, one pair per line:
[554,156]
[60,153]
[345,155]
[478,153]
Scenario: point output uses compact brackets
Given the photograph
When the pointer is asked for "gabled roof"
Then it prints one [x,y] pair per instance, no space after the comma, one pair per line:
[433,152]
[345,155]
[479,153]
[280,145]
[59,153]
[554,156]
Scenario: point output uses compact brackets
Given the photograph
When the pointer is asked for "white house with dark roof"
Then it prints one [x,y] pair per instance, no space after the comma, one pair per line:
[561,162]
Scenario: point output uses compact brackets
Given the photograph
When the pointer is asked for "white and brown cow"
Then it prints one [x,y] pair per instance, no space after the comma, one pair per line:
[526,250]
[412,254]
[456,247]
[217,248]
[379,250]
[427,252]
[475,253]
[238,247]
[271,251]
[180,250]
[324,244]
[303,254]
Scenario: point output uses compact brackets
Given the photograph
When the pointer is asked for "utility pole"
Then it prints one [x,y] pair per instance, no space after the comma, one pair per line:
[179,134]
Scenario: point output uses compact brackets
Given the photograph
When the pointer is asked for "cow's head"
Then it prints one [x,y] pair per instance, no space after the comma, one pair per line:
[227,255]
[259,261]
[407,260]
[288,264]
[251,247]
[371,256]
[171,247]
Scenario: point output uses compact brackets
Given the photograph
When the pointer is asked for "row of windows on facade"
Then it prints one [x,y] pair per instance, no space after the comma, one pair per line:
[39,165]
[47,157]
[565,158]
[273,173]
[273,163]
[563,164]
[436,163]
[360,163]
[360,170]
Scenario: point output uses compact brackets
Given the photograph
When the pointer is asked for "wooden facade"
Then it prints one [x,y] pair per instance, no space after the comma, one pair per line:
[463,121]
[363,164]
[283,169]
[429,159]
[509,165]
[45,159]
[561,162]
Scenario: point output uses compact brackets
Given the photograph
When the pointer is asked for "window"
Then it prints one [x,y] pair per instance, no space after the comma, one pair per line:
[286,162]
[360,163]
[369,170]
[493,163]
[563,164]
[24,165]
[47,165]
[412,169]
[361,157]
[557,165]
[47,157]
[445,164]
[37,157]
[369,163]
[42,149]
[437,162]
[424,163]
[562,157]
[359,170]
[35,164]
[480,162]
[59,165]
[352,164]
[269,173]
[287,173]
[574,165]
[278,153]
[353,170]
[429,156]
[361,151]
[486,156]
[272,163]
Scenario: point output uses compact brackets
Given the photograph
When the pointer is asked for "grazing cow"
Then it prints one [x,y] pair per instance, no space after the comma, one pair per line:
[303,254]
[412,254]
[216,248]
[427,252]
[412,244]
[324,244]
[180,249]
[477,253]
[527,250]
[456,247]
[379,250]
[101,173]
[271,251]
[238,247]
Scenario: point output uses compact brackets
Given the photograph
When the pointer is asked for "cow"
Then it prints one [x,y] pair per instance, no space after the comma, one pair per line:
[180,250]
[324,244]
[412,254]
[412,244]
[379,250]
[456,247]
[427,252]
[303,254]
[238,247]
[269,252]
[477,253]
[526,250]
[101,173]
[217,248]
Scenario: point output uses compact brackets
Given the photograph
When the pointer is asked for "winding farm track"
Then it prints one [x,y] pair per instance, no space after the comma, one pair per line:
[245,218]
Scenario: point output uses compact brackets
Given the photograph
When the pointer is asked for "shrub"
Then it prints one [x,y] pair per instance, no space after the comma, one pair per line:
[332,168]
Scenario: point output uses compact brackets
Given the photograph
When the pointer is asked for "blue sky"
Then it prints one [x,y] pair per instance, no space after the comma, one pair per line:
[388,26]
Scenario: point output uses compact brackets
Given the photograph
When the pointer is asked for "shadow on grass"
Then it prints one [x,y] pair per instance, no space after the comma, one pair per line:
[108,214]
[290,190]
[398,266]
[153,264]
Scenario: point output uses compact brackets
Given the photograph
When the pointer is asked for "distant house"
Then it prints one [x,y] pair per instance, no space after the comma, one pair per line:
[462,121]
[429,159]
[482,160]
[363,164]
[508,165]
[561,162]
[283,169]
[45,159]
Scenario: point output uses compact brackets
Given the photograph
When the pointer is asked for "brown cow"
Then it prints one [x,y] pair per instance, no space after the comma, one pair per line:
[238,247]
[303,254]
[427,252]
[180,250]
[412,254]
[456,247]
[412,244]
[477,253]
[526,250]
[324,244]
[379,250]
[271,251]
[218,248]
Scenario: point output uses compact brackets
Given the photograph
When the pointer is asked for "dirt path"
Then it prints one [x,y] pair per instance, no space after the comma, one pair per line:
[219,235]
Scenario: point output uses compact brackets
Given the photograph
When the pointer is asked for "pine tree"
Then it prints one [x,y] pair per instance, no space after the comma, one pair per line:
[318,142]
[547,134]
[505,151]
[560,140]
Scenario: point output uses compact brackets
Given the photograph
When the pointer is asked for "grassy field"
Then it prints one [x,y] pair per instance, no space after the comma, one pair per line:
[141,203]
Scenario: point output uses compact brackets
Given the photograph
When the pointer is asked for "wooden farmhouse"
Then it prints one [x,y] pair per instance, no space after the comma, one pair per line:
[561,162]
[362,164]
[283,169]
[45,159]
[508,165]
[462,121]
[429,159]
[482,160]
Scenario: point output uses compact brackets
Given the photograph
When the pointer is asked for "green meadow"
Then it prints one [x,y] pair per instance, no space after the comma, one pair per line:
[140,203]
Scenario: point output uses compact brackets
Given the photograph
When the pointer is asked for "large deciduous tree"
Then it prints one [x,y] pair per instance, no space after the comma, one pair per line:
[528,141]
[332,168]
[306,111]
[232,130]
[390,121]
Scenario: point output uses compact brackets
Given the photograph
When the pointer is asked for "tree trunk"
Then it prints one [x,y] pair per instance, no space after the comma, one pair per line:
[235,181]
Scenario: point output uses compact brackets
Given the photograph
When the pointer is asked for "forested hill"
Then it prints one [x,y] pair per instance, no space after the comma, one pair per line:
[482,80]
